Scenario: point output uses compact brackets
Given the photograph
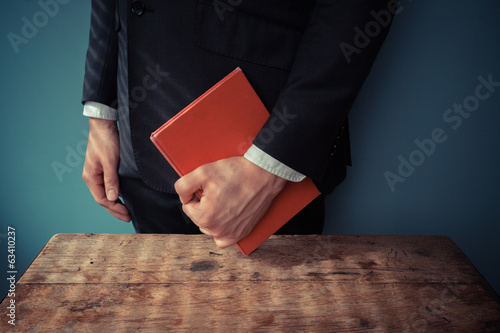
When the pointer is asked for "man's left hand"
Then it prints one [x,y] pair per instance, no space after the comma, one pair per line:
[234,195]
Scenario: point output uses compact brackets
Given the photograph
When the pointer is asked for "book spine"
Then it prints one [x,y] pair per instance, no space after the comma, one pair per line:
[241,249]
[169,160]
[198,193]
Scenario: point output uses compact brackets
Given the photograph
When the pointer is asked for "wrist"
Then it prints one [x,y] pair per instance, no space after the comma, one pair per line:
[270,179]
[102,124]
[277,182]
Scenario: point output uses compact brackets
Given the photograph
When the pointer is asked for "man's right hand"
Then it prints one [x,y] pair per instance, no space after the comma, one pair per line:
[101,165]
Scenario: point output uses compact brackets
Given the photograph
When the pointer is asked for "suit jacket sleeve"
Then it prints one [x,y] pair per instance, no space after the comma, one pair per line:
[323,84]
[100,80]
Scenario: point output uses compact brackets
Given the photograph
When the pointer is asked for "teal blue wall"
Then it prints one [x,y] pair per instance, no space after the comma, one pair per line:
[431,60]
[42,121]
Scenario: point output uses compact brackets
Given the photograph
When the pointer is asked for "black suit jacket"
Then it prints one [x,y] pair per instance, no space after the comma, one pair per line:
[290,50]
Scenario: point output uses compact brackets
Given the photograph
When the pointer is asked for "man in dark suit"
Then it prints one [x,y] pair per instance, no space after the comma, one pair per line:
[148,59]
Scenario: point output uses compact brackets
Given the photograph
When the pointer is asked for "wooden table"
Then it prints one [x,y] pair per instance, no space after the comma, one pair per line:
[129,282]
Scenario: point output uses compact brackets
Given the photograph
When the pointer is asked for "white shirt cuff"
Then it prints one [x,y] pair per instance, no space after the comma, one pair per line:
[269,163]
[98,110]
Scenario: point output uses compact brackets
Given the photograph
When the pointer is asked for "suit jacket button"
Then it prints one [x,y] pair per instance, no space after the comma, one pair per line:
[137,7]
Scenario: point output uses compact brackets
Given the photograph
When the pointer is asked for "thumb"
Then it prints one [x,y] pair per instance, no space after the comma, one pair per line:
[188,185]
[111,183]
[193,210]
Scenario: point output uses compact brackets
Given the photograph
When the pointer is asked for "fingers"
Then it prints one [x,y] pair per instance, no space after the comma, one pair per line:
[197,211]
[222,211]
[188,185]
[206,232]
[93,179]
[222,243]
[200,216]
[101,164]
[111,182]
[119,211]
[191,209]
[116,208]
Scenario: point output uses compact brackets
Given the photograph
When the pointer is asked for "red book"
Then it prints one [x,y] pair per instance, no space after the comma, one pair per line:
[222,123]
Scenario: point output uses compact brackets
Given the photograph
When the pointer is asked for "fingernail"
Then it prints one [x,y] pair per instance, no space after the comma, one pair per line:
[112,196]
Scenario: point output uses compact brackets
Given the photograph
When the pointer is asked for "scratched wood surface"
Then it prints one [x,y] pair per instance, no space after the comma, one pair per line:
[129,282]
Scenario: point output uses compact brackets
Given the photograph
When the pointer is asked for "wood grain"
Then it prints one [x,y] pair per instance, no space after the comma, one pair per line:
[128,282]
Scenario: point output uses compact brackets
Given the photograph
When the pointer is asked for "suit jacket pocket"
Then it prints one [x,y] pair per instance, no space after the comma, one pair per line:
[246,37]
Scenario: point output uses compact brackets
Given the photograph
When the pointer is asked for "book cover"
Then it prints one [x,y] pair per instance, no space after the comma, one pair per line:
[222,123]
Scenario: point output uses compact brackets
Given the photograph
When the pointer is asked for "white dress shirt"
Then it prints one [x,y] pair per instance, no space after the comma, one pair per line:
[253,154]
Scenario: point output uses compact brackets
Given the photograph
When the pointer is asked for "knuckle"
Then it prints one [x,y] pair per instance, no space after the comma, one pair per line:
[203,172]
[224,242]
[178,186]
[109,179]
[85,175]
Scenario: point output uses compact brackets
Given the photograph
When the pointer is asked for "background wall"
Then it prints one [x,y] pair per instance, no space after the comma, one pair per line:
[431,60]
